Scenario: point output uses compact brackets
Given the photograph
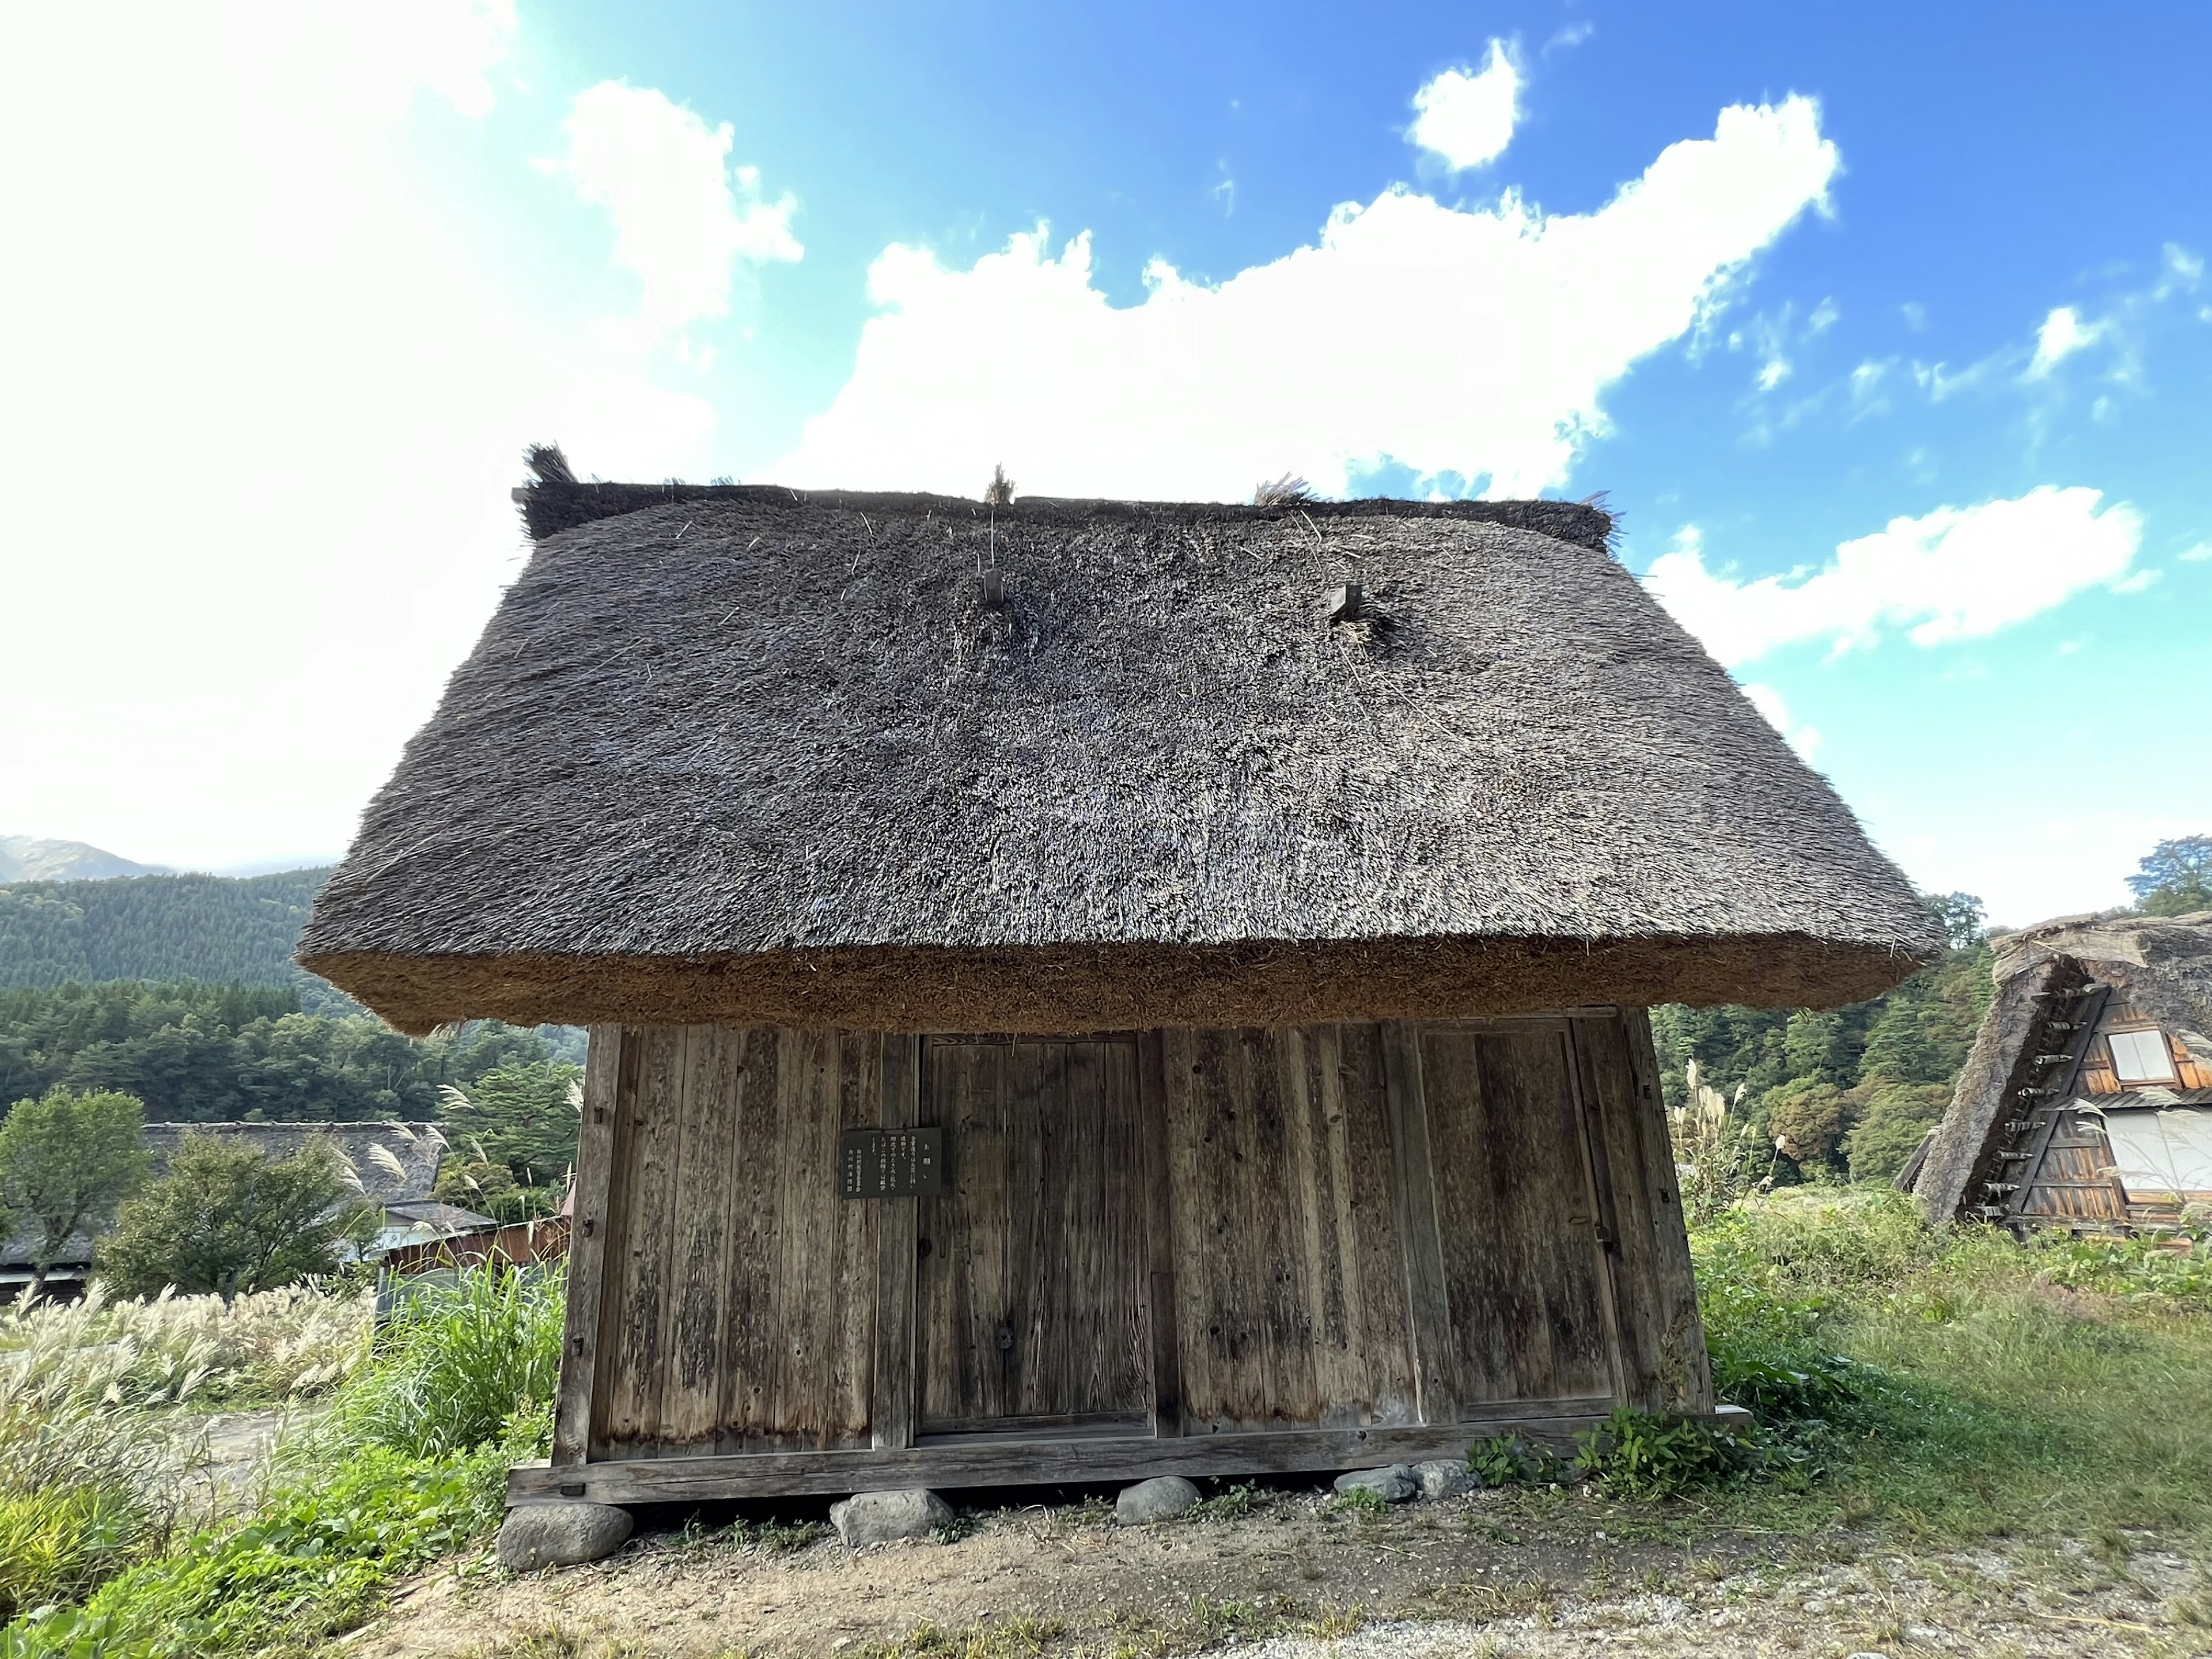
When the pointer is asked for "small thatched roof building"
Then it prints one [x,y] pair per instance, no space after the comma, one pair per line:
[1210,942]
[2086,1099]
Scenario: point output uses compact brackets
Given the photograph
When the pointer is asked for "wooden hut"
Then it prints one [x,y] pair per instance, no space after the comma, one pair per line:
[2085,1102]
[1085,990]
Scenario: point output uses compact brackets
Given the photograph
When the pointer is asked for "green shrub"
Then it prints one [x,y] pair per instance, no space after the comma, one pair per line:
[408,1465]
[60,1545]
[1509,1460]
[454,1366]
[1633,1454]
[311,1567]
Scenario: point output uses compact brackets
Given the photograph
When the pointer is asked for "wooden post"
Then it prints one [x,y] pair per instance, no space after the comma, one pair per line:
[1161,1315]
[596,1149]
[1687,1369]
[891,1401]
[1416,1192]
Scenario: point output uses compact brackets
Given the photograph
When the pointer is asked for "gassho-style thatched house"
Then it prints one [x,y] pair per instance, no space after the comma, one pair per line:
[1082,990]
[2085,1102]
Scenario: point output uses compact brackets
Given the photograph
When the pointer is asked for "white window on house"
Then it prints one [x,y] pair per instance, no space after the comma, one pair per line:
[2141,1057]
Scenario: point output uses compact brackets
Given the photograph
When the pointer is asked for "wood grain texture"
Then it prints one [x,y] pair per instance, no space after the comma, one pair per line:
[740,1292]
[596,1151]
[891,1415]
[1290,1282]
[1158,1212]
[639,1249]
[1517,1218]
[1031,1299]
[1414,1189]
[1684,1366]
[1612,1115]
[979,1462]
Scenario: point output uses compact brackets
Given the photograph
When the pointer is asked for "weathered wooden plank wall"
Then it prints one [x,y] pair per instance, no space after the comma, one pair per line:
[738,1309]
[1336,1227]
[1289,1270]
[1030,1303]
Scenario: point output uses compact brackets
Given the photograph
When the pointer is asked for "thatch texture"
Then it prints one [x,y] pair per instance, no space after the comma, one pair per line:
[760,755]
[2161,964]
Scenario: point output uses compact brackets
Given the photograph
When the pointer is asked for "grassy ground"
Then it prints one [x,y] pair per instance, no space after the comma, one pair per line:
[1917,1392]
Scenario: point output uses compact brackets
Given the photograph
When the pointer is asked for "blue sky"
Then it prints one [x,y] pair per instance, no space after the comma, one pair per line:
[1888,330]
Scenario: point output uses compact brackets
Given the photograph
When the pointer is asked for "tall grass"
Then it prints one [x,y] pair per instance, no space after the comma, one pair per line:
[1958,1384]
[174,1350]
[84,1492]
[408,1464]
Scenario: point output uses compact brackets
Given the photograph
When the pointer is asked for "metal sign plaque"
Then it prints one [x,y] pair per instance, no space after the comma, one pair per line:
[890,1163]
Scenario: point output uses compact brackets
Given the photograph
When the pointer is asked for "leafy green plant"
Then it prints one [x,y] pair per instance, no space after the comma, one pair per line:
[1634,1454]
[1511,1460]
[227,1219]
[454,1366]
[1231,1503]
[60,1544]
[1360,1501]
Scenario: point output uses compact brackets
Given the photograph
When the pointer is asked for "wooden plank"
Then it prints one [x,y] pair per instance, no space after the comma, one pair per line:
[634,1352]
[2091,1004]
[750,1339]
[1161,1314]
[1355,1102]
[1414,1197]
[1611,1113]
[1683,1362]
[1117,1368]
[1032,1367]
[690,1399]
[894,1398]
[849,1352]
[597,1148]
[1597,1205]
[995,1462]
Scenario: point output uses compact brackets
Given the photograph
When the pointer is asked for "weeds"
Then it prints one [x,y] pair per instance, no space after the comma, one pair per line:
[408,1466]
[1359,1501]
[1233,1503]
[274,1344]
[454,1366]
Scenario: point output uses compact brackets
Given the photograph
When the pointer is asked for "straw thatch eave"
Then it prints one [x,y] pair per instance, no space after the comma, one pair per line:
[761,737]
[2161,964]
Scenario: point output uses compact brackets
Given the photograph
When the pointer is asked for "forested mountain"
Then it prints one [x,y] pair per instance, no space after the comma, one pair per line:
[26,857]
[219,928]
[1849,1091]
[199,1053]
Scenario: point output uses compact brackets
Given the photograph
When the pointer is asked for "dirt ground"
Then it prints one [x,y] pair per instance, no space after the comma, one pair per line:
[1296,1577]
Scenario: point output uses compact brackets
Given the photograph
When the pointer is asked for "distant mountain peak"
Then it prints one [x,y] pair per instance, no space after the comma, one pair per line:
[26,857]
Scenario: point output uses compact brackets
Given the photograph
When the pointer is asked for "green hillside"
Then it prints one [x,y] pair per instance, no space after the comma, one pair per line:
[218,928]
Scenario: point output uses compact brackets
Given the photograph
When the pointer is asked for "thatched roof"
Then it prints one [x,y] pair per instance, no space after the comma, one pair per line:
[2160,964]
[760,755]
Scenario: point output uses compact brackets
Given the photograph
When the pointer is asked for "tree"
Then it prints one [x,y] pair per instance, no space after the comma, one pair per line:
[228,1218]
[522,1115]
[66,1160]
[1897,1116]
[2175,878]
[1805,1118]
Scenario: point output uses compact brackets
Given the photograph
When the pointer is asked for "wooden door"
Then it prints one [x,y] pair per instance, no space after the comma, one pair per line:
[1518,1213]
[1029,1287]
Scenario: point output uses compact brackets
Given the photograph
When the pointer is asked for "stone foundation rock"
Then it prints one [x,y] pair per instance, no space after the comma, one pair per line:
[535,1536]
[888,1517]
[1159,1499]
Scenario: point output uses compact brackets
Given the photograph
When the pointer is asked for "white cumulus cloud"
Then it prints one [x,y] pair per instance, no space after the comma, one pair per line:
[1470,345]
[2063,334]
[683,217]
[1466,117]
[1955,574]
